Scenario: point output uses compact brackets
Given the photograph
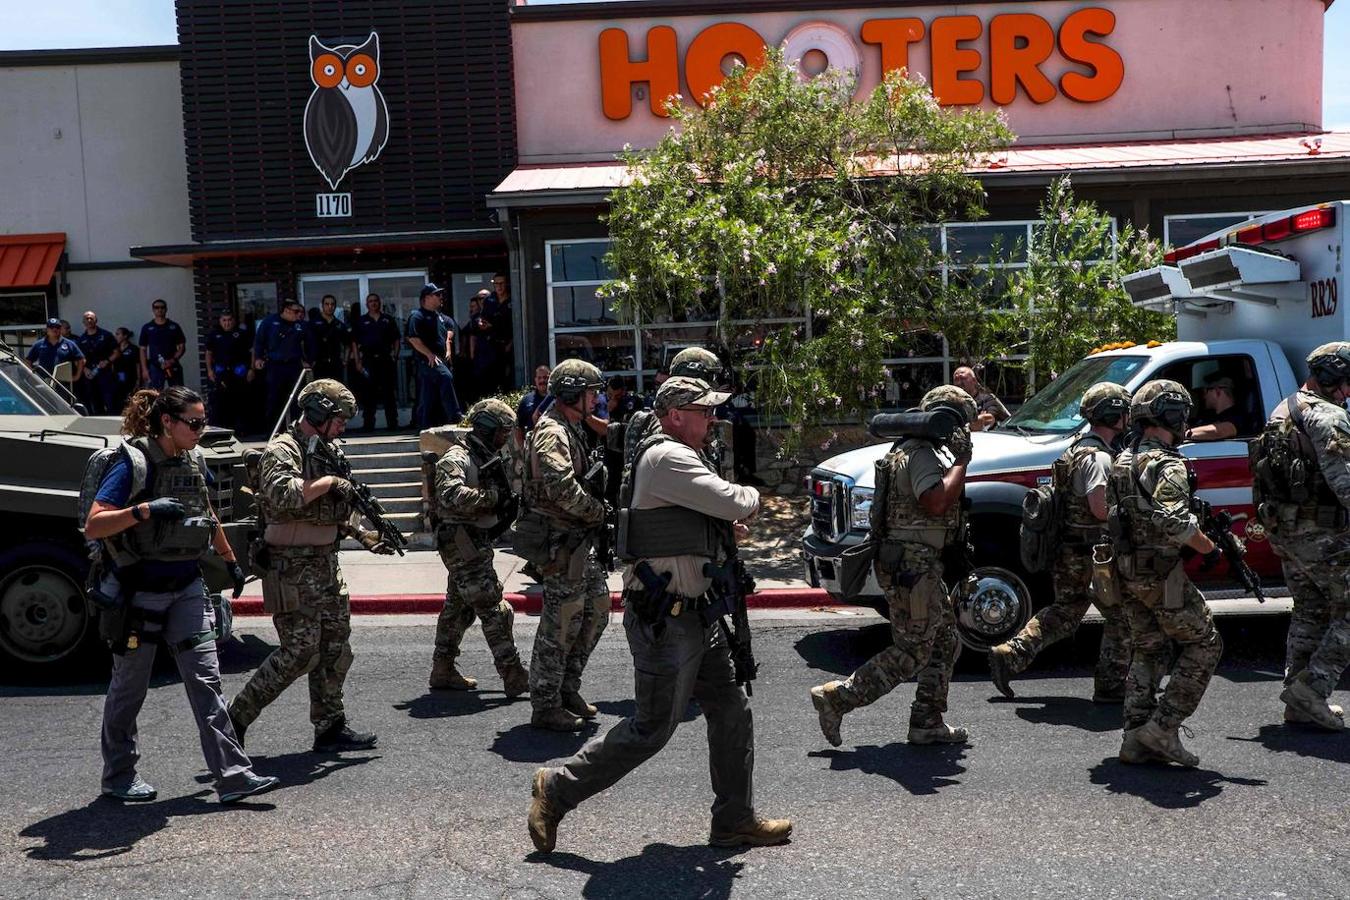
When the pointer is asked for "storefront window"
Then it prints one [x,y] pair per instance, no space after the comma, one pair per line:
[256,300]
[1178,231]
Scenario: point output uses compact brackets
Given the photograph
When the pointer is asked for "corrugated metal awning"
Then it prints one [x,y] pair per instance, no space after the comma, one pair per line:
[30,260]
[591,182]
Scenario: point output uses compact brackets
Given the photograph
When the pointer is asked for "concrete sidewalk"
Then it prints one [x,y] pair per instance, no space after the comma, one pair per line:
[415,583]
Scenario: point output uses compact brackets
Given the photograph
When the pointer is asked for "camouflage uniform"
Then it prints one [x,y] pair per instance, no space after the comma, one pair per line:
[466,511]
[576,595]
[1313,540]
[304,591]
[1081,469]
[1171,629]
[909,570]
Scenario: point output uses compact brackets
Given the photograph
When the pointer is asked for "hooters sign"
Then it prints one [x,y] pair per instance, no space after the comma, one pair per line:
[971,59]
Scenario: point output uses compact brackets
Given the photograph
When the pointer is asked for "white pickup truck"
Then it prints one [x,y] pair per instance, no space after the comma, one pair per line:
[1251,302]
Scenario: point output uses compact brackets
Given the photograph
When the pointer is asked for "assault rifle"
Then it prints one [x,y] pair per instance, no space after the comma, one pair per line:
[1217,526]
[493,472]
[334,462]
[730,585]
[594,481]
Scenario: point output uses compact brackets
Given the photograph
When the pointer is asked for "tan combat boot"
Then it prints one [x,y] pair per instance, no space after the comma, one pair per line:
[823,698]
[555,719]
[1165,742]
[576,704]
[542,820]
[941,733]
[515,681]
[753,832]
[445,677]
[1293,716]
[1001,669]
[1134,753]
[1301,696]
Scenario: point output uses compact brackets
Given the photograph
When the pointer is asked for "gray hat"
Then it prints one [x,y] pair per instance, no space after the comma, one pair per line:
[679,390]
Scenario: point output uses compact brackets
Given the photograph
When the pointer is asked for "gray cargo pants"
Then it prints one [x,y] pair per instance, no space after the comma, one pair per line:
[687,660]
[186,613]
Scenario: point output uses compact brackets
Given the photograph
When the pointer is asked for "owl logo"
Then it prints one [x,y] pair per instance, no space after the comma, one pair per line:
[346,119]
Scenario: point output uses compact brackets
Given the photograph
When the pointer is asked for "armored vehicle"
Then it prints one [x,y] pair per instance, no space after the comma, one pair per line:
[44,444]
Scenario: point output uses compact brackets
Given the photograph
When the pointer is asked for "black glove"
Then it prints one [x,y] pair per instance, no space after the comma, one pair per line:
[167,509]
[237,576]
[1211,559]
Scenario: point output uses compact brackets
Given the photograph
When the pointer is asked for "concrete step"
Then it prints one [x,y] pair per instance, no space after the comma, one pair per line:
[367,446]
[394,490]
[403,475]
[385,461]
[402,504]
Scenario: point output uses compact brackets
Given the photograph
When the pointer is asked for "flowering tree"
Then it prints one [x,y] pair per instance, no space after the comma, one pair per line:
[1069,298]
[784,197]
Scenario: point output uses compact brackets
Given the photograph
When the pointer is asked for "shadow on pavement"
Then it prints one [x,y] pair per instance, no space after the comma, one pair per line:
[1078,712]
[696,871]
[243,654]
[525,743]
[106,828]
[1165,786]
[302,767]
[919,770]
[1304,740]
[447,704]
[841,650]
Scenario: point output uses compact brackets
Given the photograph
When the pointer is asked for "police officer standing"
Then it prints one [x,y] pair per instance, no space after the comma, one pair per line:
[152,515]
[1079,476]
[331,341]
[474,504]
[677,510]
[1171,630]
[431,334]
[306,511]
[228,370]
[96,383]
[917,513]
[564,514]
[375,342]
[53,350]
[1301,488]
[162,347]
[281,349]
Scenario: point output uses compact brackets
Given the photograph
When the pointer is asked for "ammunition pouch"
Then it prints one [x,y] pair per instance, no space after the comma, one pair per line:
[532,538]
[1142,564]
[665,531]
[461,538]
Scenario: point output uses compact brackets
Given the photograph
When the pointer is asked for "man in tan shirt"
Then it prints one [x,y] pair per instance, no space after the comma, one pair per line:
[678,517]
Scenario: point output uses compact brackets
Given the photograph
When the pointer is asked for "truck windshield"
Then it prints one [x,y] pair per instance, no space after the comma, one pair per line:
[1054,409]
[24,394]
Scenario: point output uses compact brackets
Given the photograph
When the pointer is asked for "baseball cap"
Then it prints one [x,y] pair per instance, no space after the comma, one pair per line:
[1219,381]
[53,323]
[430,288]
[680,391]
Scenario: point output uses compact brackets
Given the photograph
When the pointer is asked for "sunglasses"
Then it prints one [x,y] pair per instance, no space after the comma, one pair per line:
[707,411]
[196,423]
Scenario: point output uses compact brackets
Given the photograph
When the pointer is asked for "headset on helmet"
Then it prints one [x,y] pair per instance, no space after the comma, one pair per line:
[1164,403]
[325,398]
[571,378]
[1105,403]
[696,362]
[1329,364]
[489,417]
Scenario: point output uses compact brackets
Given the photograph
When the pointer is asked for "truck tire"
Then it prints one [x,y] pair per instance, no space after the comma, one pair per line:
[44,620]
[998,597]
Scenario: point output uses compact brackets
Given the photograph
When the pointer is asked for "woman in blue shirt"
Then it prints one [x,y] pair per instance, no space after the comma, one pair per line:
[153,517]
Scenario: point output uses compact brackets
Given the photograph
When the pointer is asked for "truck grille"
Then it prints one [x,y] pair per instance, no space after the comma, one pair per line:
[827,505]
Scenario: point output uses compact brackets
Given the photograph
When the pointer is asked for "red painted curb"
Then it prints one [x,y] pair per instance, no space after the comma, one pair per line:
[530,603]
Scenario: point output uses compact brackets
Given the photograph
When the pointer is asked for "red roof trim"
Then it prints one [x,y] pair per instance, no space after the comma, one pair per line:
[30,260]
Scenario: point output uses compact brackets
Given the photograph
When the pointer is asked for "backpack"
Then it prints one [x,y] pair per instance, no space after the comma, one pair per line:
[101,585]
[1281,469]
[1042,525]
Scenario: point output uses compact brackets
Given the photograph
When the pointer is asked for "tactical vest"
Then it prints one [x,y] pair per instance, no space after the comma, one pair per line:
[642,425]
[1288,485]
[666,530]
[328,509]
[182,478]
[1081,527]
[531,493]
[1141,546]
[471,456]
[905,519]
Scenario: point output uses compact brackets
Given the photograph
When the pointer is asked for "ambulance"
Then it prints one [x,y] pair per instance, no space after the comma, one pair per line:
[1251,302]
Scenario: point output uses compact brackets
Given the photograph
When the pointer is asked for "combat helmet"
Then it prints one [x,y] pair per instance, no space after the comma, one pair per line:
[1105,403]
[491,419]
[325,398]
[953,398]
[573,377]
[696,362]
[1163,403]
[1329,364]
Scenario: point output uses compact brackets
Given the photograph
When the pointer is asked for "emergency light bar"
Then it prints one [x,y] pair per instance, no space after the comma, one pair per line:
[1160,283]
[1238,273]
[1280,229]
